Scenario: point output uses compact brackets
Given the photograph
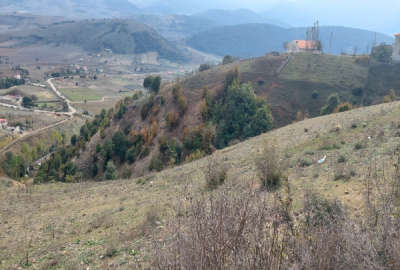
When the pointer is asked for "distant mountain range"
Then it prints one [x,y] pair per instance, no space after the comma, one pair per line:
[235,17]
[250,40]
[176,27]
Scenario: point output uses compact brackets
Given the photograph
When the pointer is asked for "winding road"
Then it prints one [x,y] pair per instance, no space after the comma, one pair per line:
[71,112]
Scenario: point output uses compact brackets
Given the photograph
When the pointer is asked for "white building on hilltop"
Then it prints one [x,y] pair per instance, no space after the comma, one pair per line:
[396,48]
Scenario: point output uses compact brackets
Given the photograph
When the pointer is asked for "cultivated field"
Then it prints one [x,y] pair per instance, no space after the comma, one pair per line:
[107,225]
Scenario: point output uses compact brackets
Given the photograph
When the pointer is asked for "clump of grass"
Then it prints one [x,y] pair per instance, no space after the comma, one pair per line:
[215,173]
[111,250]
[359,146]
[328,145]
[269,168]
[305,162]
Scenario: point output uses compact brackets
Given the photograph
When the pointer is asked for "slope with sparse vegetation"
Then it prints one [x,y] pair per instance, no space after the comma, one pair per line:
[127,224]
[186,120]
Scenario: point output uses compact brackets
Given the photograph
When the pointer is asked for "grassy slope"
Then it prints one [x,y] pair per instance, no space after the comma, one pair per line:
[71,226]
[287,94]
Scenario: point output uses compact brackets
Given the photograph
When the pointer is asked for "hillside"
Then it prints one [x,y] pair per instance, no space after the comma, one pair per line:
[252,40]
[121,36]
[176,27]
[236,17]
[115,224]
[189,119]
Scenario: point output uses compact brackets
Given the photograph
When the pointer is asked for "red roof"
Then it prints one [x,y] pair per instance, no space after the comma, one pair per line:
[307,44]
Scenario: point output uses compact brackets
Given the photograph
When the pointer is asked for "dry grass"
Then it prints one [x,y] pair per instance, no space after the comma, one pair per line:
[71,226]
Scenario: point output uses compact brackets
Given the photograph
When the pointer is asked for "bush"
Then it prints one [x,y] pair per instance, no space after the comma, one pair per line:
[332,103]
[156,164]
[269,169]
[152,83]
[342,159]
[305,162]
[172,120]
[111,171]
[179,98]
[359,146]
[344,107]
[204,67]
[215,173]
[228,59]
[242,116]
[182,104]
[315,94]
[147,107]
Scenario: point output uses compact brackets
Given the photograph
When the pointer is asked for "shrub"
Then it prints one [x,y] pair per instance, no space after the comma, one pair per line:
[179,98]
[305,162]
[343,107]
[152,83]
[156,164]
[200,138]
[228,59]
[147,107]
[171,150]
[269,168]
[111,171]
[315,94]
[215,173]
[332,103]
[242,115]
[204,67]
[341,159]
[359,146]
[182,104]
[198,154]
[172,120]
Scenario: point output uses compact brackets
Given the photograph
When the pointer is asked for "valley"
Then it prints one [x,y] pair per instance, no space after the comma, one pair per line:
[139,135]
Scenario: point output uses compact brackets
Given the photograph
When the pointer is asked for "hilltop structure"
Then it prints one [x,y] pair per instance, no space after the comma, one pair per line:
[396,48]
[311,44]
[297,46]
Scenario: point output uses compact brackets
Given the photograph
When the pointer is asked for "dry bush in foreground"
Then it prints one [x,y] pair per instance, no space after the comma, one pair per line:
[236,229]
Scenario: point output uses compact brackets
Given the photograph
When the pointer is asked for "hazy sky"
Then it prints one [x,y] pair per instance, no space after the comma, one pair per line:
[379,15]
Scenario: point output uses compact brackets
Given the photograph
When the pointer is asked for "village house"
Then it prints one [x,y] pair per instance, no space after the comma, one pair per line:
[298,46]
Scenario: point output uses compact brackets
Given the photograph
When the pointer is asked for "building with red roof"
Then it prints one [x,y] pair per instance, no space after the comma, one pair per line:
[297,46]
